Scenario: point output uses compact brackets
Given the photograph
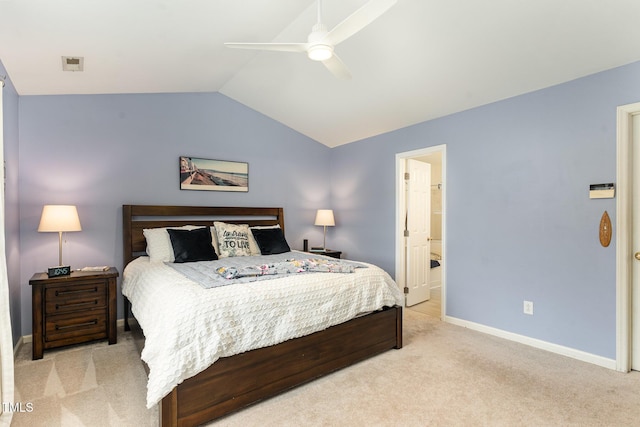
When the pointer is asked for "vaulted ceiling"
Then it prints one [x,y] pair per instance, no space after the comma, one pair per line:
[420,60]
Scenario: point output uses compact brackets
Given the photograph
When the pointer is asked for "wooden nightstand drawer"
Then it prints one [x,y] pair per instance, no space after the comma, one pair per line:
[81,296]
[92,325]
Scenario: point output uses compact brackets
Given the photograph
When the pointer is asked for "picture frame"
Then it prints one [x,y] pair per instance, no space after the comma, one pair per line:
[213,175]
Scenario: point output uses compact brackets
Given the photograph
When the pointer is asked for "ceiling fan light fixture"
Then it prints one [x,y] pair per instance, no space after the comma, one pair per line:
[320,52]
[321,43]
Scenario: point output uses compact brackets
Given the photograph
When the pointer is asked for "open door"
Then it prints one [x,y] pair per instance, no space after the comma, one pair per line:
[417,231]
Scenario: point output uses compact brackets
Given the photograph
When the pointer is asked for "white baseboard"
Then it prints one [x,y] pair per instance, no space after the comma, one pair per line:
[19,344]
[533,342]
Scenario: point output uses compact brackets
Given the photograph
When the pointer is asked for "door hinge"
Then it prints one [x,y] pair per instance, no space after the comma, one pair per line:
[406,176]
[406,290]
[406,233]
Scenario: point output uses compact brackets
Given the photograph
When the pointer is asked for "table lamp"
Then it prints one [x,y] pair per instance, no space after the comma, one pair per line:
[324,217]
[59,218]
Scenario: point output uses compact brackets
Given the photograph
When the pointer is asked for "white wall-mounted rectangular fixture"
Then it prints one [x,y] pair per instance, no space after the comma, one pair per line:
[72,63]
[602,191]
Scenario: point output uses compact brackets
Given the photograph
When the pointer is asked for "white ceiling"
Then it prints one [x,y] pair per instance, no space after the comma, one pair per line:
[421,60]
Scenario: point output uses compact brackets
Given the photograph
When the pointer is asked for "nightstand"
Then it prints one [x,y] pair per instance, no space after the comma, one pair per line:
[73,309]
[328,252]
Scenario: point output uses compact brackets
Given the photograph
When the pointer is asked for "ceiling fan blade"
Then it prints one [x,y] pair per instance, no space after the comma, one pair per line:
[337,67]
[358,20]
[282,47]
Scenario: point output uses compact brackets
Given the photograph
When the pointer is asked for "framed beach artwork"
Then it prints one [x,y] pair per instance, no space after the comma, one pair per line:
[213,175]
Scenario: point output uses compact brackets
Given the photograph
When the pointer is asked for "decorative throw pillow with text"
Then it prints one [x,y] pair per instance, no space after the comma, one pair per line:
[233,239]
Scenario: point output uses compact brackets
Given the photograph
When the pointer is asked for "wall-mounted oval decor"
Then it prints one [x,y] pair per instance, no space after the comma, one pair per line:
[605,229]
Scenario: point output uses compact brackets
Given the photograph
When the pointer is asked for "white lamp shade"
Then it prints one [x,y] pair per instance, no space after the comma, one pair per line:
[325,217]
[57,218]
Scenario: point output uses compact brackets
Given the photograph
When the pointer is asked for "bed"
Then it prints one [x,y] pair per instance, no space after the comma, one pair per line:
[239,380]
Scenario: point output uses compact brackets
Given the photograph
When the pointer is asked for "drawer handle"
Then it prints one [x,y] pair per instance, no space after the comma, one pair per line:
[76,304]
[76,291]
[92,323]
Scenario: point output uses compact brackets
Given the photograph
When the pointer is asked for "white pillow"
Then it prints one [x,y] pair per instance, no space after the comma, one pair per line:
[159,246]
[214,240]
[253,245]
[233,239]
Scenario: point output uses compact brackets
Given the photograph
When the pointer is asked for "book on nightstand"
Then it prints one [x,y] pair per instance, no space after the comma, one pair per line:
[98,268]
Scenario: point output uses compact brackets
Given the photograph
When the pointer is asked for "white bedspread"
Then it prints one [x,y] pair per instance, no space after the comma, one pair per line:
[187,327]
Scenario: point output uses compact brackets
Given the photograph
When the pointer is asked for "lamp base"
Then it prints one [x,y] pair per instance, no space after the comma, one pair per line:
[61,270]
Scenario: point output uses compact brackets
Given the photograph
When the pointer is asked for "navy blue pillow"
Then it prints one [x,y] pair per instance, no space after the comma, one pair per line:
[192,245]
[271,241]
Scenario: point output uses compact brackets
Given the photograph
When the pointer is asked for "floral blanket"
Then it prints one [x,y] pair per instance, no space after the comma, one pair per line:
[244,269]
[310,265]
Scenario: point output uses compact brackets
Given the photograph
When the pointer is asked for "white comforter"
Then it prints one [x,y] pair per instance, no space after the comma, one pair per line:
[188,327]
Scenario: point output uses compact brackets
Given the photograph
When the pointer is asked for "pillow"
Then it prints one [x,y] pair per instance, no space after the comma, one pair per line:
[214,239]
[233,239]
[192,245]
[253,245]
[159,246]
[271,241]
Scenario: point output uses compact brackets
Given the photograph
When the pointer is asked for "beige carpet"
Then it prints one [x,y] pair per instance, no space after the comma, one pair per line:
[444,376]
[431,307]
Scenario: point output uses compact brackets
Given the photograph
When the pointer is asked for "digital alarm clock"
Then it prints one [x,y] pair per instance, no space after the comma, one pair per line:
[61,270]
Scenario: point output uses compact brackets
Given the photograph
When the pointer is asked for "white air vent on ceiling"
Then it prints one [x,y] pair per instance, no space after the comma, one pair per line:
[72,63]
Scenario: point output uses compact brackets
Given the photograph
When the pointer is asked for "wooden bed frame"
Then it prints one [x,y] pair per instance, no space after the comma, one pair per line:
[232,383]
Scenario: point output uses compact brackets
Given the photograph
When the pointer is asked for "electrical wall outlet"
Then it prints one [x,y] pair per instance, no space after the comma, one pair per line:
[528,307]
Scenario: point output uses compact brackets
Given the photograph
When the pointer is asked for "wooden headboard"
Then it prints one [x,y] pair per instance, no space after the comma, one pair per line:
[135,218]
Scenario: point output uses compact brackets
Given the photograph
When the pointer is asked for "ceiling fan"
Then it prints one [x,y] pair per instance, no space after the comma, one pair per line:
[321,43]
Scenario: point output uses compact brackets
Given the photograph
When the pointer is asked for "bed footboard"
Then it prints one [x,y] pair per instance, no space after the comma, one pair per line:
[241,380]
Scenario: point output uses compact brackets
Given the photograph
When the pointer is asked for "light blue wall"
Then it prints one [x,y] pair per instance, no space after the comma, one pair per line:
[11,208]
[102,151]
[520,224]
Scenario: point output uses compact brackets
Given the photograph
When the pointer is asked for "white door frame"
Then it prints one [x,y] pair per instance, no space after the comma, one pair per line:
[400,203]
[624,240]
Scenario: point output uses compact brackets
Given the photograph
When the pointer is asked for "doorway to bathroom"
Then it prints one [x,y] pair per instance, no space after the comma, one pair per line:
[420,253]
